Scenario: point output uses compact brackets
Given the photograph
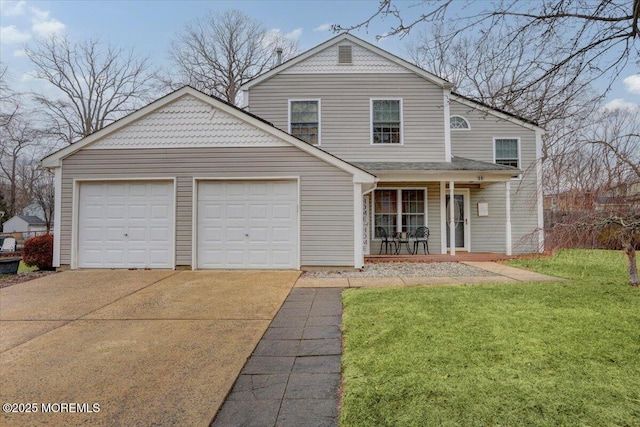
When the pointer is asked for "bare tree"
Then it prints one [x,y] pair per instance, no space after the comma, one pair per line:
[38,184]
[600,36]
[18,137]
[96,83]
[617,133]
[218,53]
[8,98]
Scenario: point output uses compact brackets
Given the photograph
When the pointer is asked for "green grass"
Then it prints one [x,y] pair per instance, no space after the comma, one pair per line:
[528,354]
[23,268]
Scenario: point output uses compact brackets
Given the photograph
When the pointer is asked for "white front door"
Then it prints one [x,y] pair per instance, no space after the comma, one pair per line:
[126,224]
[247,224]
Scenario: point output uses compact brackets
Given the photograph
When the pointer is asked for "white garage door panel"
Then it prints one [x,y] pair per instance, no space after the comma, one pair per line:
[126,225]
[247,224]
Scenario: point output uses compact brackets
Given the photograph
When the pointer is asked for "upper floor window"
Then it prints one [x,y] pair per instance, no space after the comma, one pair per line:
[507,151]
[304,120]
[459,122]
[386,121]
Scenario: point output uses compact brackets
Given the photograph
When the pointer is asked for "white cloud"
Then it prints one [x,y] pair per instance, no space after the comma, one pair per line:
[11,8]
[294,35]
[12,35]
[323,27]
[276,35]
[19,53]
[620,104]
[29,77]
[42,25]
[48,28]
[632,83]
[38,14]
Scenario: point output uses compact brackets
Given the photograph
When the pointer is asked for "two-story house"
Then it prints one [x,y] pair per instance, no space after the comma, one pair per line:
[333,148]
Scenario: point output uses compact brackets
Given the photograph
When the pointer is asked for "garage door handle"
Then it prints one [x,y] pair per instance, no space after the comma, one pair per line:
[126,235]
[246,235]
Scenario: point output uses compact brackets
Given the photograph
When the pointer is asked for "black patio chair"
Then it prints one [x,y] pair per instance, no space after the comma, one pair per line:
[386,240]
[421,236]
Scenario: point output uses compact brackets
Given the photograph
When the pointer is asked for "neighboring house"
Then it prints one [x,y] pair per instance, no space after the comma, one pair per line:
[570,201]
[33,209]
[190,180]
[29,226]
[624,197]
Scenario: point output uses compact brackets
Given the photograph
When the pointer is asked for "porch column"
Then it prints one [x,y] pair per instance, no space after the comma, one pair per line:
[452,224]
[507,187]
[443,217]
[358,230]
[57,214]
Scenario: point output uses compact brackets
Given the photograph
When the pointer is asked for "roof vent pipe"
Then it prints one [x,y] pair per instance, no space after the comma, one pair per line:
[278,56]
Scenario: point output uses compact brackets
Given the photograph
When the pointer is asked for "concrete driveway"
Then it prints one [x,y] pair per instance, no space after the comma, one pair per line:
[135,348]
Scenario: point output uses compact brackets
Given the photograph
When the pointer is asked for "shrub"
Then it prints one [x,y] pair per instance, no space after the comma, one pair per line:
[38,251]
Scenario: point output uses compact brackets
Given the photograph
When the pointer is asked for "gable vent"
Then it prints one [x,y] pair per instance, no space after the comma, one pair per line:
[345,55]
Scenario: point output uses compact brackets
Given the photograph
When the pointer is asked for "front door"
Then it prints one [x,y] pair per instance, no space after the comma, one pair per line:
[460,218]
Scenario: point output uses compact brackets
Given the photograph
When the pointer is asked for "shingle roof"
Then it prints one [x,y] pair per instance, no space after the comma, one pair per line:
[31,220]
[506,113]
[456,164]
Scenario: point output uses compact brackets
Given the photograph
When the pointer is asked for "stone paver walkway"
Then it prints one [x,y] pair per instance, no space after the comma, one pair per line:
[293,376]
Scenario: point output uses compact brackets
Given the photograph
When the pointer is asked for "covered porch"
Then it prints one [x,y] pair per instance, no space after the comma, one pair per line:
[464,201]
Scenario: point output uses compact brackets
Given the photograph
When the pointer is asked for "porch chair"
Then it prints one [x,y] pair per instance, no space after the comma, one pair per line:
[8,245]
[386,240]
[421,236]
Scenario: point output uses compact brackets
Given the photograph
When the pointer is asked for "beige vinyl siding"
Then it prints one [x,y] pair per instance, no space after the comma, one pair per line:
[346,115]
[326,199]
[488,233]
[433,215]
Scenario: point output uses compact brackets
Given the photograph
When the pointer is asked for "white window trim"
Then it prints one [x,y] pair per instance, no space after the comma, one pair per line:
[460,129]
[398,207]
[519,177]
[371,100]
[318,100]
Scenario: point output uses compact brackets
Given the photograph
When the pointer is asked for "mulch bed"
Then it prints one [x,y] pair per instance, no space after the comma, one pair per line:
[14,279]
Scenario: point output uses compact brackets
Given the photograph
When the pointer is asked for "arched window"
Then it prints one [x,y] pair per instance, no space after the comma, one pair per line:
[459,122]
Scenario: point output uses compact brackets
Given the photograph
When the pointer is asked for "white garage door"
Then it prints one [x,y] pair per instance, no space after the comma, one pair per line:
[247,224]
[126,225]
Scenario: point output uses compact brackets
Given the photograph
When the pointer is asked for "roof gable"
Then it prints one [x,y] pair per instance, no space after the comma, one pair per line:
[363,61]
[187,122]
[219,115]
[31,220]
[366,58]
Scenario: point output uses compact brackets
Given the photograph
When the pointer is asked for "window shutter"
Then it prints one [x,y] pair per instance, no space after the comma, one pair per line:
[345,54]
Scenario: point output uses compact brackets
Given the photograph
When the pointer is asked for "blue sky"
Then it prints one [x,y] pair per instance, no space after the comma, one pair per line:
[149,26]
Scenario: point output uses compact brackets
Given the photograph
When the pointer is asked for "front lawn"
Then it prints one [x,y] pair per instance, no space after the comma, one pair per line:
[541,354]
